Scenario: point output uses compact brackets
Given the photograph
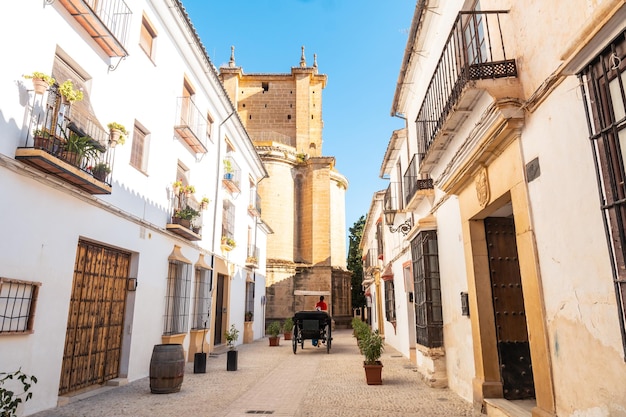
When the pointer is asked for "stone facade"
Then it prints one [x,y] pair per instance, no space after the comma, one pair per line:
[303,197]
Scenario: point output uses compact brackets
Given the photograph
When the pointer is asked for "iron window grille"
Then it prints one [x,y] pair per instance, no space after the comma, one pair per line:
[390,301]
[603,85]
[202,298]
[427,289]
[18,300]
[177,298]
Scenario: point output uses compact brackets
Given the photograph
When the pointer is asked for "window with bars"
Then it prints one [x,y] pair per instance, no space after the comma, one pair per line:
[177,298]
[603,84]
[202,298]
[427,289]
[18,300]
[139,150]
[228,219]
[249,313]
[390,301]
[379,239]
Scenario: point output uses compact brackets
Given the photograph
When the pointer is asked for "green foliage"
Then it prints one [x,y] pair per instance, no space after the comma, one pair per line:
[48,79]
[372,346]
[355,263]
[228,166]
[101,168]
[187,213]
[274,329]
[288,325]
[361,329]
[231,336]
[84,146]
[228,241]
[121,128]
[68,91]
[10,400]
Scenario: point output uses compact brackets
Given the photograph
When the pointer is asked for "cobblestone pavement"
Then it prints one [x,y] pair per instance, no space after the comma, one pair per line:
[274,381]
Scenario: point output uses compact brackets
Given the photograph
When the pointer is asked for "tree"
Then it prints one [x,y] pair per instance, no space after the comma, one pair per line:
[355,263]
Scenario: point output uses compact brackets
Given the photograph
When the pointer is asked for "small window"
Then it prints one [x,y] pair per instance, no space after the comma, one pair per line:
[209,125]
[266,86]
[390,301]
[18,300]
[147,38]
[139,150]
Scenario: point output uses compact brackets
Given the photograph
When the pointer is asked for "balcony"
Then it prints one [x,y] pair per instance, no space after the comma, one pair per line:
[191,126]
[416,187]
[254,207]
[72,148]
[232,176]
[106,21]
[370,259]
[186,217]
[252,258]
[473,61]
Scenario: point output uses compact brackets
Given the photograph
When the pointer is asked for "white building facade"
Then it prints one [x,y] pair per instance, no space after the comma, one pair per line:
[508,194]
[115,248]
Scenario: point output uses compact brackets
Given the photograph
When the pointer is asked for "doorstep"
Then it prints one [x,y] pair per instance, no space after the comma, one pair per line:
[79,395]
[499,407]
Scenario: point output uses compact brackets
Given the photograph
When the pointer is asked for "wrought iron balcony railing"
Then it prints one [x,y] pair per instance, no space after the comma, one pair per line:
[370,259]
[191,126]
[67,144]
[413,182]
[254,206]
[474,51]
[106,21]
[232,175]
[252,257]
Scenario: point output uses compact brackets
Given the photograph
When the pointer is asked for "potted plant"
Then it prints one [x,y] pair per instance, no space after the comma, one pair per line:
[228,169]
[69,93]
[204,203]
[249,315]
[273,330]
[117,134]
[177,186]
[43,139]
[231,336]
[288,328]
[41,81]
[75,148]
[189,190]
[185,215]
[101,170]
[372,347]
[228,243]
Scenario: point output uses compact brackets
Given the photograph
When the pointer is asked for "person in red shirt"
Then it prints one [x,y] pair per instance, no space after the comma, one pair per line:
[320,306]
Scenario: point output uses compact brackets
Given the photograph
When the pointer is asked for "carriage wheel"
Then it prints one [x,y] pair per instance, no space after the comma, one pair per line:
[294,342]
[328,338]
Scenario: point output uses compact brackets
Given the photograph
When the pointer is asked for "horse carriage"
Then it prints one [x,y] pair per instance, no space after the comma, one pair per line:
[314,326]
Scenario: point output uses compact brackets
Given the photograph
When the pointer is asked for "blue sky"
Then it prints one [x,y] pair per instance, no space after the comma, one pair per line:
[359,46]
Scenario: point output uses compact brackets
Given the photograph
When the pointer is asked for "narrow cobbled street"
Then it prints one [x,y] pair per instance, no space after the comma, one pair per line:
[274,381]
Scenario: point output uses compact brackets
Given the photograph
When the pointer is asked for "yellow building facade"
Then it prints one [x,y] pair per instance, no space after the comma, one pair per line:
[303,197]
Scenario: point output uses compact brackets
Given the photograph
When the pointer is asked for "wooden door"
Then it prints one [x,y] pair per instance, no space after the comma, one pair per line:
[508,304]
[95,321]
[220,311]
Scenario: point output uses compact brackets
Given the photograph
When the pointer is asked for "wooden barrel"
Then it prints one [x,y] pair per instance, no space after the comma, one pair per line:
[167,368]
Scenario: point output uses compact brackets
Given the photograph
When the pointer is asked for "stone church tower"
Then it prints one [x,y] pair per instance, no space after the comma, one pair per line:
[303,199]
